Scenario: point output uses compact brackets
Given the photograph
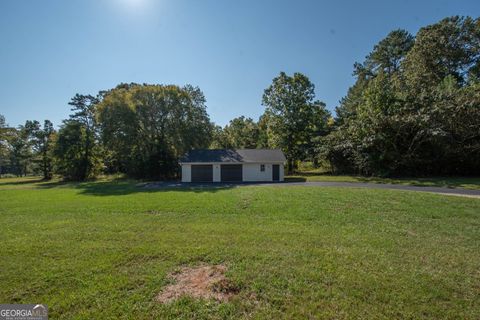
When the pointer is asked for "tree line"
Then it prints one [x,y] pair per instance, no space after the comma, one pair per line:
[415,106]
[414,109]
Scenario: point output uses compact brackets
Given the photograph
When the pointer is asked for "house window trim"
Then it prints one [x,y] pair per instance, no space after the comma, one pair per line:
[262,168]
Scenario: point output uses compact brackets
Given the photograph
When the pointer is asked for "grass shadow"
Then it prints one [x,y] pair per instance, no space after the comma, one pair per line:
[126,187]
[113,186]
[17,182]
[295,179]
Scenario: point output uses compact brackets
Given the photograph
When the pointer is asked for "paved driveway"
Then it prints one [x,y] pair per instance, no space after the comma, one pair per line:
[440,190]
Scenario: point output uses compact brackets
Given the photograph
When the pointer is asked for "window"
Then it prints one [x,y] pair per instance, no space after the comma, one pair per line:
[262,167]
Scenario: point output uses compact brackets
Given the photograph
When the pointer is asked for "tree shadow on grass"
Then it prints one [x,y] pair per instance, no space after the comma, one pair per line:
[126,187]
[20,182]
[295,179]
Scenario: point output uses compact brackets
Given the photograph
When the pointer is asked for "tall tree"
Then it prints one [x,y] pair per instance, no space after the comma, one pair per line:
[20,151]
[83,107]
[388,54]
[42,142]
[241,133]
[3,143]
[386,58]
[219,138]
[69,152]
[263,142]
[146,128]
[295,118]
[77,147]
[450,47]
[414,112]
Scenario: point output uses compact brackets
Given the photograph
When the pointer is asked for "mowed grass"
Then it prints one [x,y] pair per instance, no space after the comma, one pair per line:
[103,250]
[472,183]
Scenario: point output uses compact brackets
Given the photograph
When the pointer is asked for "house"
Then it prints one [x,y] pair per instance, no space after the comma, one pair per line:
[228,165]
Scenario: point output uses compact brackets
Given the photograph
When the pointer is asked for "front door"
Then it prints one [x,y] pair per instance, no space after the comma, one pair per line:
[276,172]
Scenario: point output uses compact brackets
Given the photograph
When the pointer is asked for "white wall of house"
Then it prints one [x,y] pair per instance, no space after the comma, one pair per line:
[216,173]
[251,172]
[186,173]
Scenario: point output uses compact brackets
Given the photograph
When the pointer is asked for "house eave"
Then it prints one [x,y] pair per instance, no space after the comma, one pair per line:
[243,162]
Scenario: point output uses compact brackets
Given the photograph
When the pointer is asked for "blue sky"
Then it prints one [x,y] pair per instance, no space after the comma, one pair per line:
[50,50]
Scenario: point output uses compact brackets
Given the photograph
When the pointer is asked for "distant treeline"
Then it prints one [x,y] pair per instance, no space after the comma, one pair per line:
[413,110]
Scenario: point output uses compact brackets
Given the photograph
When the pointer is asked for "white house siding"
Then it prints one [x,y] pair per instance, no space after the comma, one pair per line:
[186,173]
[282,173]
[251,172]
[216,173]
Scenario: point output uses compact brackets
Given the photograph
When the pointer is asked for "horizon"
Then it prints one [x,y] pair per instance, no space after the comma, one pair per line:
[55,49]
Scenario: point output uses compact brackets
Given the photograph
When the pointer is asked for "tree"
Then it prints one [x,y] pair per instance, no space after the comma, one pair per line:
[414,108]
[69,152]
[20,151]
[263,132]
[3,143]
[77,149]
[219,138]
[450,47]
[294,117]
[241,133]
[146,128]
[386,58]
[388,54]
[42,141]
[83,107]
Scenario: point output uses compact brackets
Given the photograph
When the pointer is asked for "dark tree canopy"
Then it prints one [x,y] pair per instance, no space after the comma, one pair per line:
[77,148]
[146,128]
[240,133]
[418,115]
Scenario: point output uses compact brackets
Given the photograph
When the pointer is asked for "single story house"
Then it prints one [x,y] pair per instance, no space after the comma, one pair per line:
[228,165]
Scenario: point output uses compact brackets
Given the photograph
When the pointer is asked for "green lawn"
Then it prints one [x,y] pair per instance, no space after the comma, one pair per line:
[103,250]
[449,182]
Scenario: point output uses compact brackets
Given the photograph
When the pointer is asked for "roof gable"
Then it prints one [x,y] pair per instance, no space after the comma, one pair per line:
[231,155]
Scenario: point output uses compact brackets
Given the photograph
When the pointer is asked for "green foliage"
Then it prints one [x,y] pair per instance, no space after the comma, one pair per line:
[20,152]
[3,143]
[73,161]
[415,107]
[146,128]
[388,54]
[42,142]
[294,118]
[77,149]
[27,149]
[240,133]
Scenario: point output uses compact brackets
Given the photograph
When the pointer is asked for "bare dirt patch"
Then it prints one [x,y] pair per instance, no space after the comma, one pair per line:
[202,282]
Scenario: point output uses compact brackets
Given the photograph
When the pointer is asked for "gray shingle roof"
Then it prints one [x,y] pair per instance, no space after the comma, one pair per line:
[230,155]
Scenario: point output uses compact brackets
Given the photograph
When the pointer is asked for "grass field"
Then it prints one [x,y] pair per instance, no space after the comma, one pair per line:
[103,250]
[472,183]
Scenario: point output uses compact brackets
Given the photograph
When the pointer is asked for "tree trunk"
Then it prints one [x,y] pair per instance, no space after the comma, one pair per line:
[290,166]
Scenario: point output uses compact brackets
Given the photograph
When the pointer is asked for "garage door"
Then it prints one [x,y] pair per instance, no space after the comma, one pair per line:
[231,172]
[202,173]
